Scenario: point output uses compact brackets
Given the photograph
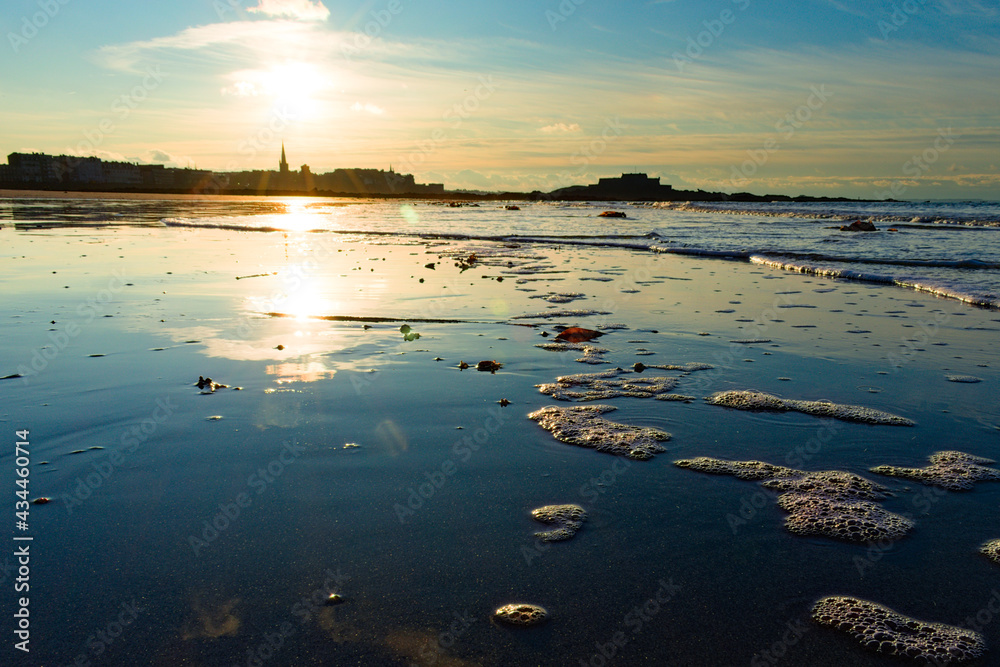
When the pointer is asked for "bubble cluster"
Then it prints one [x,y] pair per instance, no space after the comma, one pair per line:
[885,631]
[955,471]
[758,400]
[831,503]
[567,520]
[752,470]
[963,378]
[521,614]
[584,426]
[992,550]
[605,385]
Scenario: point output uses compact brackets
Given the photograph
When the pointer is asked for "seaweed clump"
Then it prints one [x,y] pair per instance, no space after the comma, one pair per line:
[831,503]
[584,426]
[885,631]
[955,471]
[758,400]
[567,520]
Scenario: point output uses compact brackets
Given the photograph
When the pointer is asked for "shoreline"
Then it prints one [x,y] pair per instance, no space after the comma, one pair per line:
[178,311]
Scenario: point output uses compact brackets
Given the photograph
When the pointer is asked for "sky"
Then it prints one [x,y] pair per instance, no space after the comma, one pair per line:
[852,98]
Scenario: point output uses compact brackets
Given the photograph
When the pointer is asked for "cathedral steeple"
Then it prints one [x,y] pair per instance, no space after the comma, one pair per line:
[283,165]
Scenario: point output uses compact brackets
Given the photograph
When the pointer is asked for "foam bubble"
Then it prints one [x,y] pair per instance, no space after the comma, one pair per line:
[885,631]
[605,385]
[992,550]
[963,378]
[831,503]
[955,471]
[584,426]
[567,520]
[521,614]
[758,400]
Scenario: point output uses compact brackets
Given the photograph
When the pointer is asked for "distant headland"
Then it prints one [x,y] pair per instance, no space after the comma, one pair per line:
[68,173]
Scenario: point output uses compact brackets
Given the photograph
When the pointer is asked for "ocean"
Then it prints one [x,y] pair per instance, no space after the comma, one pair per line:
[951,249]
[358,451]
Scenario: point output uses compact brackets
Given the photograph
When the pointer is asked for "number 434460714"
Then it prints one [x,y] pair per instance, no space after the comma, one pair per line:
[22,472]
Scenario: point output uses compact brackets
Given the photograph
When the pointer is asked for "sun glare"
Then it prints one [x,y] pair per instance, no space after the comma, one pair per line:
[296,87]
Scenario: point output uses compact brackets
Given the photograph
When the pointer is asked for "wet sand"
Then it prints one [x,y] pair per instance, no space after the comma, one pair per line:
[425,526]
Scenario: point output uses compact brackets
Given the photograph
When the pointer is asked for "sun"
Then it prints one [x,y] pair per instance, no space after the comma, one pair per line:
[294,86]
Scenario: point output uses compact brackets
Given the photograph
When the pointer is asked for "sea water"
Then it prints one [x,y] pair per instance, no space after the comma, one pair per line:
[222,534]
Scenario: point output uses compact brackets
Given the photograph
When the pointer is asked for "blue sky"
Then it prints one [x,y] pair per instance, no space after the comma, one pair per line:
[823,97]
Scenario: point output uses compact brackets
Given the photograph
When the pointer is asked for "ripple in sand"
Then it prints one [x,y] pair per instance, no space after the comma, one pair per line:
[605,385]
[565,519]
[955,471]
[829,503]
[888,632]
[758,400]
[584,426]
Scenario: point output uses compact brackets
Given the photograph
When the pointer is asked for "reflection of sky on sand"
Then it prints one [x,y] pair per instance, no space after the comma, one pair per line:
[306,357]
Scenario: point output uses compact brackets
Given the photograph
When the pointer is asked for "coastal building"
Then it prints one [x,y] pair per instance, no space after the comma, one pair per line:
[638,187]
[63,172]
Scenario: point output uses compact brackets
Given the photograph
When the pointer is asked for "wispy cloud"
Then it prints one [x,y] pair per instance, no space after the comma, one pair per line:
[560,127]
[303,10]
[368,108]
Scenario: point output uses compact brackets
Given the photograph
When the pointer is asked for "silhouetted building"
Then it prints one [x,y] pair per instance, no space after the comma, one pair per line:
[38,170]
[627,186]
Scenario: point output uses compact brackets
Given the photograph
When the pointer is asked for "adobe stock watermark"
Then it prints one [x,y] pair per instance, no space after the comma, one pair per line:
[121,108]
[634,622]
[433,650]
[379,20]
[899,17]
[86,311]
[928,332]
[102,639]
[723,360]
[564,10]
[591,150]
[752,503]
[229,512]
[922,502]
[131,438]
[920,164]
[31,25]
[277,122]
[304,609]
[986,614]
[455,116]
[462,450]
[591,491]
[786,128]
[773,655]
[697,44]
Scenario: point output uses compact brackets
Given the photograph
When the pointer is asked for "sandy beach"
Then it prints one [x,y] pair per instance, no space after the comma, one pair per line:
[344,458]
